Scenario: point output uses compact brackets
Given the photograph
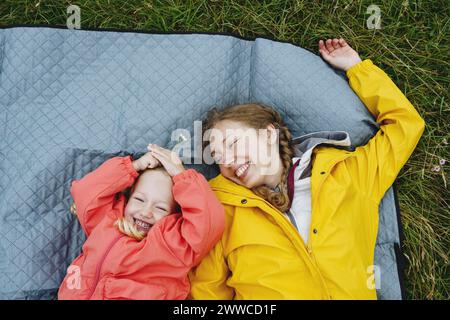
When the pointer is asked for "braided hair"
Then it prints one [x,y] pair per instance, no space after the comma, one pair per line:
[259,116]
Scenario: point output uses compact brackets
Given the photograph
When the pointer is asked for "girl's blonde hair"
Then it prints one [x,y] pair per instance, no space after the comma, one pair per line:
[259,116]
[124,225]
[129,228]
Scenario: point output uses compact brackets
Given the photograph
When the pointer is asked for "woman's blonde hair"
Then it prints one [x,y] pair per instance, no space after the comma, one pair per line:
[259,116]
[124,225]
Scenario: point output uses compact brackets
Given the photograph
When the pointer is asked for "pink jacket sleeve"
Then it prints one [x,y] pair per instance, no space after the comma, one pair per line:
[202,220]
[94,193]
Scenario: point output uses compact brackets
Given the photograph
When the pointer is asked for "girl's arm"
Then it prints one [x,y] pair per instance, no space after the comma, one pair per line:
[94,193]
[379,161]
[201,223]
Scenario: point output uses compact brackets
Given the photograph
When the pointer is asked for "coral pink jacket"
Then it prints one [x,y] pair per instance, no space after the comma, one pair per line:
[115,266]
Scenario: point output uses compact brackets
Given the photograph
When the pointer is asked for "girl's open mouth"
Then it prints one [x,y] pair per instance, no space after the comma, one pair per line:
[142,225]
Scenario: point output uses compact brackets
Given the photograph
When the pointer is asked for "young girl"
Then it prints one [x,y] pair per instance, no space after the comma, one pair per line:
[303,225]
[144,248]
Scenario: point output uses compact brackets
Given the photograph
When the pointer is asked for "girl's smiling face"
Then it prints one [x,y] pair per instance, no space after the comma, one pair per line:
[151,199]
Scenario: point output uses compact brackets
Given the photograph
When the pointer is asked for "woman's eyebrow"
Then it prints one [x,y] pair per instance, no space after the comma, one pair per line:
[223,141]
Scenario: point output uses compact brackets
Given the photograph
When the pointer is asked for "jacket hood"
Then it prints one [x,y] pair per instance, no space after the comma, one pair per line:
[304,147]
[309,141]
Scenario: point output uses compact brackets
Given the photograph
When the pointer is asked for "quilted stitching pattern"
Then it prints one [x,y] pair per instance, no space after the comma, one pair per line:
[389,287]
[71,99]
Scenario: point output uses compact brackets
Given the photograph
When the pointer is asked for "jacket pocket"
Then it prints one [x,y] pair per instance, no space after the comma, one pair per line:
[127,289]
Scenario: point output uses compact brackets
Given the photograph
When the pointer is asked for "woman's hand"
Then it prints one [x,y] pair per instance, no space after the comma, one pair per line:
[146,161]
[338,53]
[168,159]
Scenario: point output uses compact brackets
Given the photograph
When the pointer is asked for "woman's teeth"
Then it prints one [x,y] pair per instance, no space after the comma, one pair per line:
[240,171]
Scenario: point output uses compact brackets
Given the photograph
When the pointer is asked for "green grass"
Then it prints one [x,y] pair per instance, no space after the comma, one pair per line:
[412,47]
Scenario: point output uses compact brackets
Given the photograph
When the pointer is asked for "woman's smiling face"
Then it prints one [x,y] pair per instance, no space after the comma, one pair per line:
[151,199]
[245,155]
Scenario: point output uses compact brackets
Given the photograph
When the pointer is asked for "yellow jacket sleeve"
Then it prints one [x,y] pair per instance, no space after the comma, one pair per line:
[208,279]
[380,160]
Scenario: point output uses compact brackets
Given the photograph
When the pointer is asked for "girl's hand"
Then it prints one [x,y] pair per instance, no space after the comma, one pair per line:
[146,161]
[168,159]
[338,53]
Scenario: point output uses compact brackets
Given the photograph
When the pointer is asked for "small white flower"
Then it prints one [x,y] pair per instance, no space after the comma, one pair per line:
[436,169]
[441,162]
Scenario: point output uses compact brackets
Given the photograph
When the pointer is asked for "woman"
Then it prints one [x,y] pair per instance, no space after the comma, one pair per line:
[303,225]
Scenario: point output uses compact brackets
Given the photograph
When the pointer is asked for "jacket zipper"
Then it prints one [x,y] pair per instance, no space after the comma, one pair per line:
[99,265]
[314,201]
[306,246]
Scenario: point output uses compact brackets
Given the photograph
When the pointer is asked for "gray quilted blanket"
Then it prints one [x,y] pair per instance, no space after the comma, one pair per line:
[70,99]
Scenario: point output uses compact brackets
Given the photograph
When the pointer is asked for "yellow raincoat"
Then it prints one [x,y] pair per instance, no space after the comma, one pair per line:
[262,256]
